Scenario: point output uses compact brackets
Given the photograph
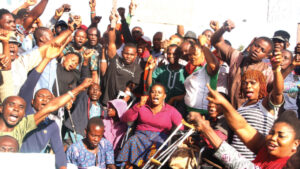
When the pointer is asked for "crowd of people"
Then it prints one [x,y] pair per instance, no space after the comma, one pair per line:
[111,99]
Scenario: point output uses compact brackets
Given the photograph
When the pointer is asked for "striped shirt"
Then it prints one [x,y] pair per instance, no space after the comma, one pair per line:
[259,118]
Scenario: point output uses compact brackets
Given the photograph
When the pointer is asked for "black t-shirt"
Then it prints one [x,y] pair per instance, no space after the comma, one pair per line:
[118,76]
[67,80]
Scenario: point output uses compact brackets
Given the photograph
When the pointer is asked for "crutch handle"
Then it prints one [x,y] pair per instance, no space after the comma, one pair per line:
[187,124]
[156,162]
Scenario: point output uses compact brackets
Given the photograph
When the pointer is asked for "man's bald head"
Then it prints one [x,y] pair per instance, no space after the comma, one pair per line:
[9,144]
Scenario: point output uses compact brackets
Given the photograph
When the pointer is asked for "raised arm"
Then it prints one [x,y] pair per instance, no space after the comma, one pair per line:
[180,30]
[217,39]
[62,38]
[112,49]
[25,5]
[60,101]
[212,61]
[151,68]
[125,27]
[249,135]
[103,62]
[5,58]
[295,63]
[92,4]
[276,95]
[34,14]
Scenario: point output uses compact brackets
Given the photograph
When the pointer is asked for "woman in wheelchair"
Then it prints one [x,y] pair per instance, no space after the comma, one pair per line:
[155,119]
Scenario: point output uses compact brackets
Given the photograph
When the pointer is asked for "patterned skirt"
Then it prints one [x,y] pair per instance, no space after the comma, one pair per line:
[140,147]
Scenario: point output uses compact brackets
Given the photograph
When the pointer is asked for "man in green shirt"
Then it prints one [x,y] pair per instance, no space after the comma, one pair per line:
[171,76]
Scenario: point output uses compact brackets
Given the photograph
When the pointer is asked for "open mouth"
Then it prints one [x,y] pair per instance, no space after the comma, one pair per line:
[249,94]
[211,111]
[155,99]
[271,146]
[13,118]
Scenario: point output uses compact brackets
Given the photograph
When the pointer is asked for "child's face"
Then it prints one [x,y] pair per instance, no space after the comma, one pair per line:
[213,110]
[112,112]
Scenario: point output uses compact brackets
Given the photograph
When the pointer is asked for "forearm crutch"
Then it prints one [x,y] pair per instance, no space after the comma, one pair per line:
[73,125]
[123,94]
[166,154]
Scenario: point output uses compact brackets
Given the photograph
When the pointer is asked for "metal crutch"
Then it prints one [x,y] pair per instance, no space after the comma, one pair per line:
[171,149]
[73,125]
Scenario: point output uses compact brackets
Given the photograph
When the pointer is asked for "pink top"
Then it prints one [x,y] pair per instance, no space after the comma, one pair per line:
[162,121]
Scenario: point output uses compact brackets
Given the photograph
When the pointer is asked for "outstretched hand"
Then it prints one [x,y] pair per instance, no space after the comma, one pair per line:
[132,7]
[86,83]
[121,12]
[276,59]
[151,64]
[214,25]
[74,22]
[198,120]
[214,96]
[114,17]
[296,61]
[144,100]
[96,19]
[54,50]
[88,53]
[203,40]
[30,2]
[228,25]
[4,61]
[5,35]
[92,4]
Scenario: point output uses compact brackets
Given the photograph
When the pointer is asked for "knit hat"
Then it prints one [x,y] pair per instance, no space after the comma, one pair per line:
[120,106]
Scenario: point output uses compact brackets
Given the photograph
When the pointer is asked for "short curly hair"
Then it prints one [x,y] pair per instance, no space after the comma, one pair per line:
[260,78]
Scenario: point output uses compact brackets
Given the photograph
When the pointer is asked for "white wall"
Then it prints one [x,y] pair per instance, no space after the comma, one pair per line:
[252,17]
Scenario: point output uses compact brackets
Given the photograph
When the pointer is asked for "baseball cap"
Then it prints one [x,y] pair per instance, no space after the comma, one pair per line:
[190,34]
[146,39]
[13,39]
[282,35]
[61,23]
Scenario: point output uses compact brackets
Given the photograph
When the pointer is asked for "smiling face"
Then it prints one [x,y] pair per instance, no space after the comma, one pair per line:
[259,50]
[157,95]
[7,22]
[172,58]
[41,99]
[80,38]
[94,92]
[281,140]
[94,134]
[70,62]
[13,110]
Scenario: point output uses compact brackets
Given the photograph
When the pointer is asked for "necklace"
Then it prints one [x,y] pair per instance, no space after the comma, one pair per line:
[171,86]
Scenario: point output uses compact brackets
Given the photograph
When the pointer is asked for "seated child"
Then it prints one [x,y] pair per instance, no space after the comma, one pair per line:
[92,151]
[114,128]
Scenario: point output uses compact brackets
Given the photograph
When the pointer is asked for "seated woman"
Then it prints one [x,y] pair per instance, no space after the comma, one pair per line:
[272,150]
[155,119]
